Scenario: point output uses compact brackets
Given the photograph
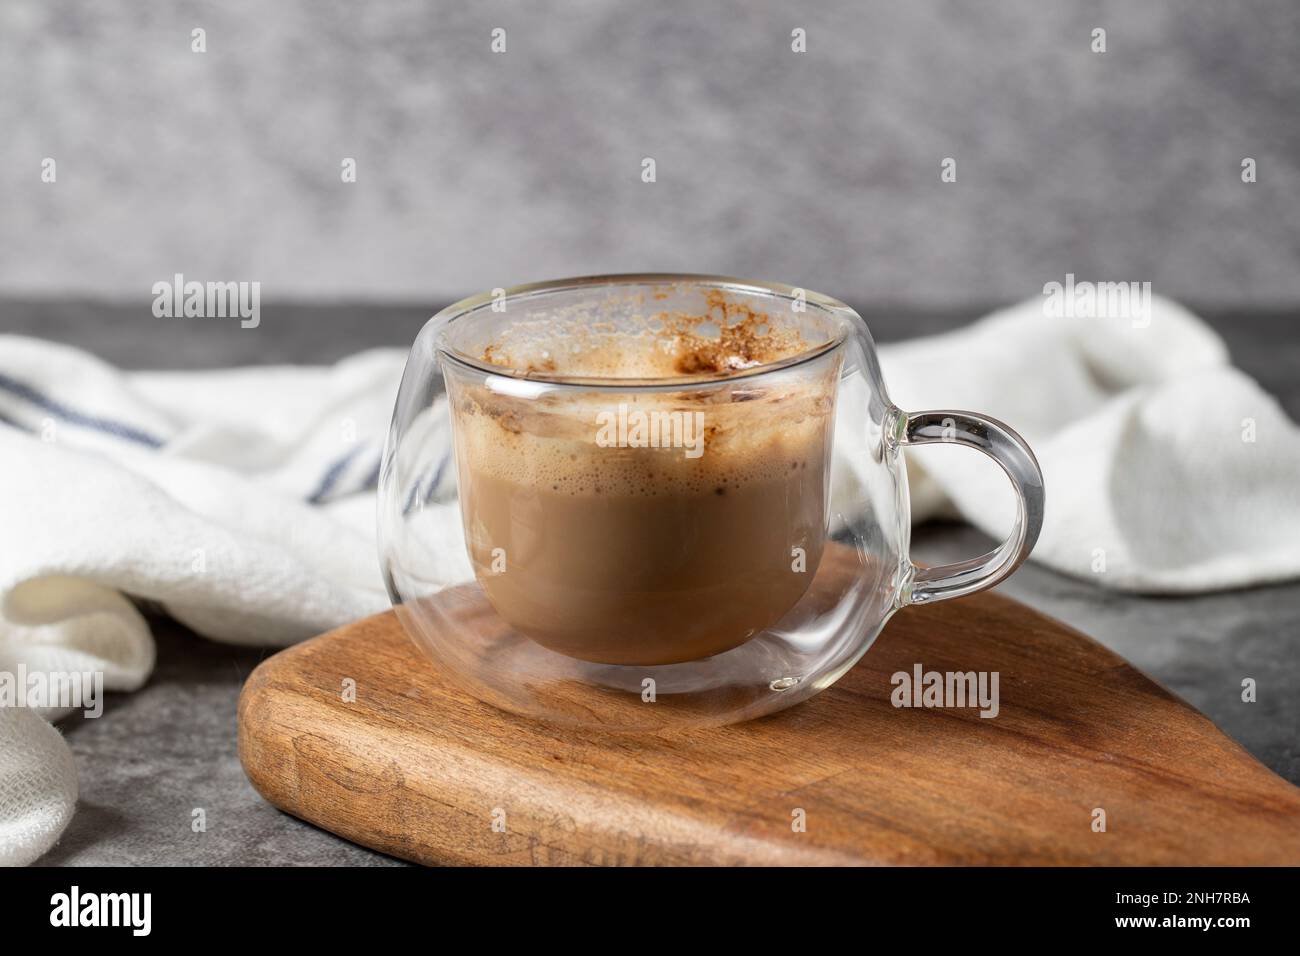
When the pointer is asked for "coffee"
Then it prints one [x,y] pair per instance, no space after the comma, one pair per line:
[647,527]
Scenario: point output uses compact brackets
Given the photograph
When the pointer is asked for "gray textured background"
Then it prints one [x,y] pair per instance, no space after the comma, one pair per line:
[820,169]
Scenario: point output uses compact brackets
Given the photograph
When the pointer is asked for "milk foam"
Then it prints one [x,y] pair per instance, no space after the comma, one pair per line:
[554,442]
[754,427]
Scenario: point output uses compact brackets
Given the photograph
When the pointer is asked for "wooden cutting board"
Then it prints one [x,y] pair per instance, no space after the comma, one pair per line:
[418,769]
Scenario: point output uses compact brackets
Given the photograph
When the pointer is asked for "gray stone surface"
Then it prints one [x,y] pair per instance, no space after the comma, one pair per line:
[478,169]
[170,747]
[155,756]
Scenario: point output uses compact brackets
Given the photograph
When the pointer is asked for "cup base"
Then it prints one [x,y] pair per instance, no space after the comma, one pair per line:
[805,652]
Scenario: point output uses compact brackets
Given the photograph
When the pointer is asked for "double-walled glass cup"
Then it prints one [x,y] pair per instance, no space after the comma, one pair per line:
[648,502]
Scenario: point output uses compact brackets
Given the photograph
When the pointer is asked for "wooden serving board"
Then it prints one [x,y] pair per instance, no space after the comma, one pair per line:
[416,768]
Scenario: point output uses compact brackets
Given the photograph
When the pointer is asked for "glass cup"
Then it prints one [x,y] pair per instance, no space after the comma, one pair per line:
[652,502]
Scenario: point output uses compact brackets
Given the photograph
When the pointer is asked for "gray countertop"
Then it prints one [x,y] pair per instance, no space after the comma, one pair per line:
[161,752]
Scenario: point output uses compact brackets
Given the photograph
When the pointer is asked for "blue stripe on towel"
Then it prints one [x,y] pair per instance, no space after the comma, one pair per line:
[139,436]
[415,495]
[437,477]
[372,479]
[410,499]
[331,476]
[74,417]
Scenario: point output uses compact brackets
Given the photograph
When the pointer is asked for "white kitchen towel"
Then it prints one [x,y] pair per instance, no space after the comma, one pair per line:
[1166,469]
[241,502]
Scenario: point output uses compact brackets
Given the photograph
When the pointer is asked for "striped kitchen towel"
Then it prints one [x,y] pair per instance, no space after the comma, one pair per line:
[239,502]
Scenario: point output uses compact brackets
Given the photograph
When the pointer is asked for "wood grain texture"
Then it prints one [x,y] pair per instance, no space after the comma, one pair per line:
[415,768]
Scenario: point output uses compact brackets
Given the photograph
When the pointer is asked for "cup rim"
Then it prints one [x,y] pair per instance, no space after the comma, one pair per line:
[471,304]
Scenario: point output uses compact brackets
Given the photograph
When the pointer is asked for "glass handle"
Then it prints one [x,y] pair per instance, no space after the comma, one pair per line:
[1014,457]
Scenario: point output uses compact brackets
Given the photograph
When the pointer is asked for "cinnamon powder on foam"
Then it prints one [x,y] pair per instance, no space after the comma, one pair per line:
[677,345]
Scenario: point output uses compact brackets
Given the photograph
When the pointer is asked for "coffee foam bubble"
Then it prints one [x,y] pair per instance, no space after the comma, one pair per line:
[745,433]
